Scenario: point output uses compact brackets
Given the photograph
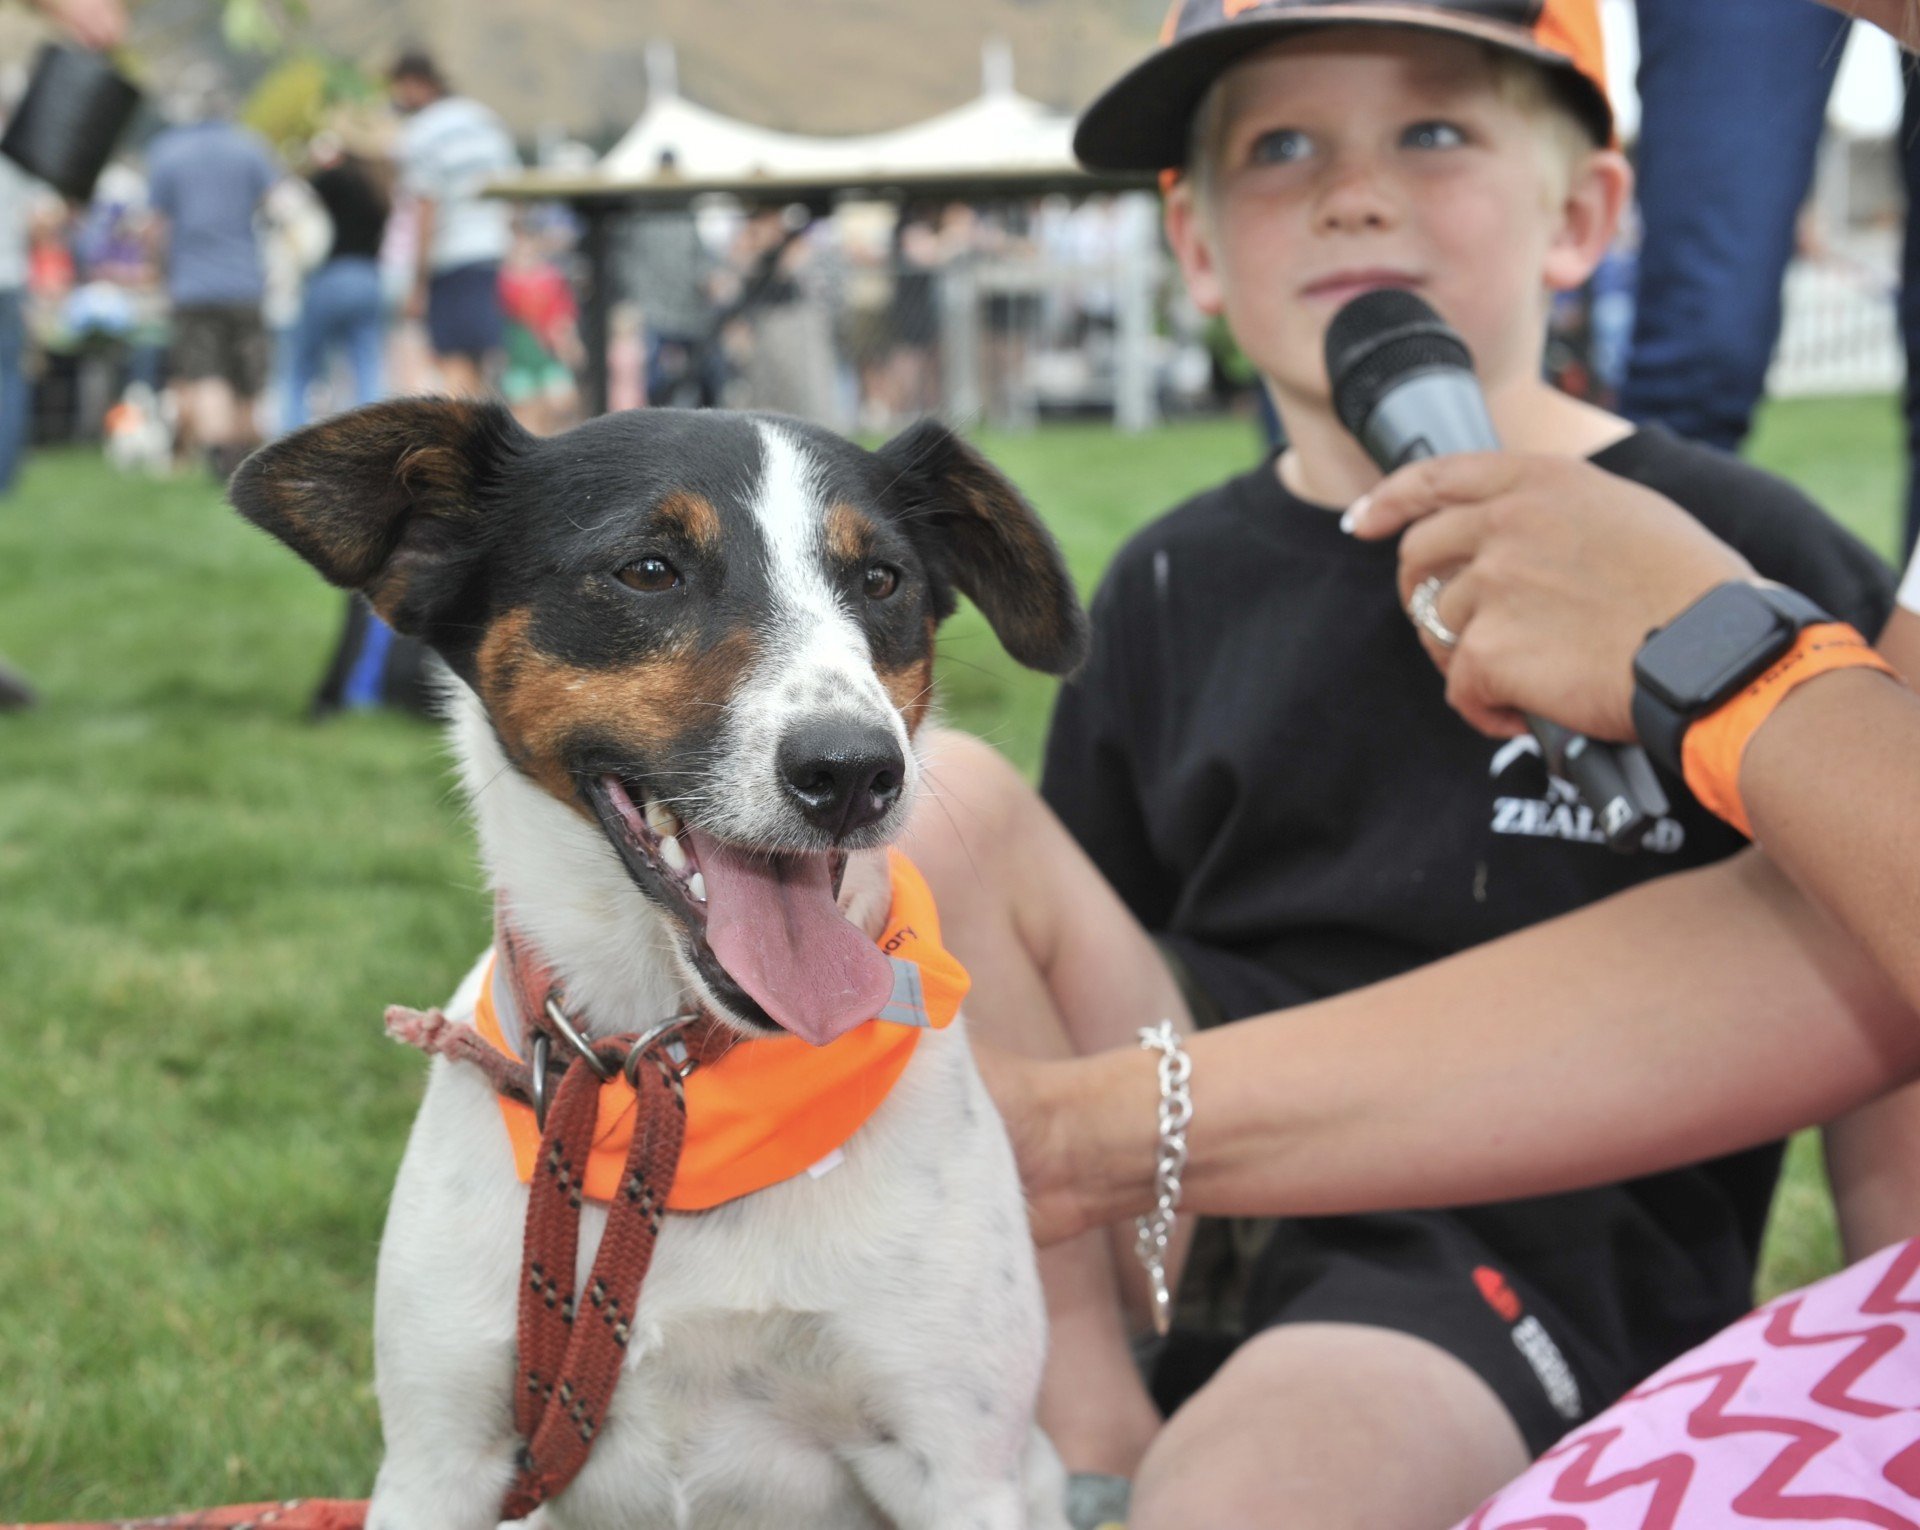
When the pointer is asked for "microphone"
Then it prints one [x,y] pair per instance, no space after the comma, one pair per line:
[1403,384]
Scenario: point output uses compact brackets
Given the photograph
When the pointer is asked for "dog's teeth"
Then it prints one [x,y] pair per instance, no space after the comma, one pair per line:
[662,820]
[697,885]
[672,854]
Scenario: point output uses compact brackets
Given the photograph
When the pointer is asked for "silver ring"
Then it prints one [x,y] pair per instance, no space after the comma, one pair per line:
[1421,609]
[537,1079]
[602,1070]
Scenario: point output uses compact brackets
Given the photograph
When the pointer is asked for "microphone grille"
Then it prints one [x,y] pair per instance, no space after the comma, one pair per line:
[1379,338]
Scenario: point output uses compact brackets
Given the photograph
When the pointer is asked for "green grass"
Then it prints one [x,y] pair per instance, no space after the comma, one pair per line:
[206,902]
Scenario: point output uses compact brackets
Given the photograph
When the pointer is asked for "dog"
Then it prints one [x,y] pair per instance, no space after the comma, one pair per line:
[690,653]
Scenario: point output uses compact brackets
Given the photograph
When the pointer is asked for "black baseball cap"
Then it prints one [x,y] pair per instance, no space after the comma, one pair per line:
[1141,121]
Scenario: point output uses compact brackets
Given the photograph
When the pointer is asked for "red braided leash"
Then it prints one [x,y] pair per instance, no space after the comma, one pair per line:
[570,1359]
[571,1353]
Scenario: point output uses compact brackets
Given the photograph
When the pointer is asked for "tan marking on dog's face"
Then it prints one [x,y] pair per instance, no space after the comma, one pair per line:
[694,515]
[849,535]
[910,689]
[541,706]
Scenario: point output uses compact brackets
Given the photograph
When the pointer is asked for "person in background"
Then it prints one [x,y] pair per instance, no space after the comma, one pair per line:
[918,253]
[207,178]
[543,348]
[341,312]
[666,268]
[16,201]
[92,24]
[20,195]
[451,147]
[778,320]
[1733,107]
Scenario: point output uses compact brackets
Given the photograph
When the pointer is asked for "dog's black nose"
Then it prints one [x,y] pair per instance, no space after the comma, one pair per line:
[842,778]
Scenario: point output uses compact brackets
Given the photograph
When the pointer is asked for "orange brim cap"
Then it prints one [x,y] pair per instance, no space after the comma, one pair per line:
[1142,120]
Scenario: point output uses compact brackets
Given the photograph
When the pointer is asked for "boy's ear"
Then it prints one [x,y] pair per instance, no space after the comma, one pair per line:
[1589,218]
[978,533]
[1191,239]
[385,499]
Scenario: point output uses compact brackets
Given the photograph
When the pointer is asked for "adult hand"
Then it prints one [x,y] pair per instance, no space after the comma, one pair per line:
[1555,571]
[91,23]
[1031,1096]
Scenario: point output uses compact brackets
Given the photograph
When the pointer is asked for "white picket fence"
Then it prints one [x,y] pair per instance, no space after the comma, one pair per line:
[1840,332]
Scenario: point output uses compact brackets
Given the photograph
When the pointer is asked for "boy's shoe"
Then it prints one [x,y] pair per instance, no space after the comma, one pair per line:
[1098,1502]
[15,693]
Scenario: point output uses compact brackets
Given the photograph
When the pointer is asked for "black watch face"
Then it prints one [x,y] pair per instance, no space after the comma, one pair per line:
[1711,649]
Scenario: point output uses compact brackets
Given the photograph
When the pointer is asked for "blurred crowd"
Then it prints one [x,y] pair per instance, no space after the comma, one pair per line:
[218,290]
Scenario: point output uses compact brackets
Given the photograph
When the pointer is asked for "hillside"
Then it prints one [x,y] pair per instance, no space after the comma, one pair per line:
[829,66]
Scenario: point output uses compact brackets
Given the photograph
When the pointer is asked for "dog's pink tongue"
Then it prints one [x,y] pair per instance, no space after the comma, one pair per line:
[773,924]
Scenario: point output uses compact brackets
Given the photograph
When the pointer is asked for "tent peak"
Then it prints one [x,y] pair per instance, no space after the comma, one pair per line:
[663,69]
[996,67]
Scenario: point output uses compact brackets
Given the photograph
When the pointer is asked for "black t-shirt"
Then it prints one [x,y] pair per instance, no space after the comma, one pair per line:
[357,208]
[1260,758]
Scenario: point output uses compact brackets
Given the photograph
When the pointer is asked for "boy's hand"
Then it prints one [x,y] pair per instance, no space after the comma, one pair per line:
[1555,571]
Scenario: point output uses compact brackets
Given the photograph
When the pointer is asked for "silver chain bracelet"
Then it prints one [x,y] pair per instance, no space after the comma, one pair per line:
[1154,1232]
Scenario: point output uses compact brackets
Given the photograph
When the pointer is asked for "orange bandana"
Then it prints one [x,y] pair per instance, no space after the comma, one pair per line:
[771,1109]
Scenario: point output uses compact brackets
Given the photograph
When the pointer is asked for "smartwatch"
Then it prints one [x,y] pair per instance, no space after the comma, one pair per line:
[1702,657]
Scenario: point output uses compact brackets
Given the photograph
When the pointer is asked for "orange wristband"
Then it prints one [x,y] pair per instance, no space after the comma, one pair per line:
[1714,745]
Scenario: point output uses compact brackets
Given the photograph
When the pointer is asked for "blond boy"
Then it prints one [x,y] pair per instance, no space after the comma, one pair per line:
[1255,795]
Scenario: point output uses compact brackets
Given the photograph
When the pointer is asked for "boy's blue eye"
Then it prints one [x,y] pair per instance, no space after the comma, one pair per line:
[1433,135]
[1281,147]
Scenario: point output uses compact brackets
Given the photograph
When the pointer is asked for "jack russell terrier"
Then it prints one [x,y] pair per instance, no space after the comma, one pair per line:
[690,654]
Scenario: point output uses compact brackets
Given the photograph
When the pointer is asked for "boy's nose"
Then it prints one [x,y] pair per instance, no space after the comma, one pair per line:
[1355,196]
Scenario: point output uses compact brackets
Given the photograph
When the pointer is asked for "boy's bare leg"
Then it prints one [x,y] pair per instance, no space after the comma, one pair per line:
[212,411]
[1333,1425]
[1059,967]
[461,376]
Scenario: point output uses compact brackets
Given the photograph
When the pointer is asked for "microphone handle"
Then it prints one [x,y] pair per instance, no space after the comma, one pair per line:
[1615,781]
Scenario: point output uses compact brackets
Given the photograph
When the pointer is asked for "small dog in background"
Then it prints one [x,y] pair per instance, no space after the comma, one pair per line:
[691,651]
[139,431]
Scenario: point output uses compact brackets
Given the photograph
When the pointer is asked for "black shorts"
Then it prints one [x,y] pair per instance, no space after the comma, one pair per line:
[223,340]
[1624,1297]
[463,311]
[1425,1273]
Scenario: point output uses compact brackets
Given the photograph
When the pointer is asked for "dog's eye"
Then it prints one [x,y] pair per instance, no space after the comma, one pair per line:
[650,574]
[882,580]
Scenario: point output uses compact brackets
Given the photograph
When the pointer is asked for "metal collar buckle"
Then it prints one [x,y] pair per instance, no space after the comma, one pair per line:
[539,1093]
[579,1041]
[537,1078]
[677,1053]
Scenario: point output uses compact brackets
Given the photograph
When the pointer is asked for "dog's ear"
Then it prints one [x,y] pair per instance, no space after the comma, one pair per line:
[386,499]
[978,532]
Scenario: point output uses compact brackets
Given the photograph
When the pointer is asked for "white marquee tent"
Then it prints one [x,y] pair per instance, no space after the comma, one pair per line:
[1000,130]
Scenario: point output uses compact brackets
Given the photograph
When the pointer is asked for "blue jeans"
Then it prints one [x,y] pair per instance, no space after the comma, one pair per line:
[342,308]
[16,391]
[1910,305]
[1733,98]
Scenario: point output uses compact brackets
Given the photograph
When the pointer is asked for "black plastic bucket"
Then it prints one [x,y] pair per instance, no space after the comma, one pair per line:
[73,113]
